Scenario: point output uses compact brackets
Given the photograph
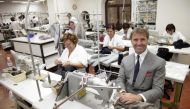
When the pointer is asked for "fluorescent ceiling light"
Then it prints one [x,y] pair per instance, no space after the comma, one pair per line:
[2,1]
[19,2]
[111,1]
[37,1]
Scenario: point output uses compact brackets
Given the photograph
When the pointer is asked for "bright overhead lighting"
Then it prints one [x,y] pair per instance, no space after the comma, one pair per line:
[19,2]
[111,1]
[37,1]
[2,1]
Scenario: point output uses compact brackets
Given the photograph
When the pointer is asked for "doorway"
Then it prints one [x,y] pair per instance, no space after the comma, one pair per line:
[118,12]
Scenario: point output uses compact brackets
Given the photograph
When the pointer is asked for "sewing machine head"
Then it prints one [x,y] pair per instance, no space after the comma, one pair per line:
[76,80]
[24,62]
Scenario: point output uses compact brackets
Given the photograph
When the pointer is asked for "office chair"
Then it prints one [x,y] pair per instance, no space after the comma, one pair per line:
[165,54]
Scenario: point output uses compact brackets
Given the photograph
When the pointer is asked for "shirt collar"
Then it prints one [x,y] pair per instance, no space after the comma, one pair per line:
[142,55]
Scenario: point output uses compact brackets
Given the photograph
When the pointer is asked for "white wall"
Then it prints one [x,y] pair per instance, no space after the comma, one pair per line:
[176,12]
[168,11]
[8,8]
[61,7]
[15,7]
[92,6]
[65,6]
[51,10]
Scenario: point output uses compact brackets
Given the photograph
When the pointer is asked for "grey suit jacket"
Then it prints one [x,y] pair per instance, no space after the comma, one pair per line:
[150,79]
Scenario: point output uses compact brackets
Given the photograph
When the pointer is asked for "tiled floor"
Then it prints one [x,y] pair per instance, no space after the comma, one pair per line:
[7,103]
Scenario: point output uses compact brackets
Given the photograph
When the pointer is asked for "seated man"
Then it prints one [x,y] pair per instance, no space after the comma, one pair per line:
[74,56]
[173,34]
[112,44]
[126,30]
[142,74]
[113,41]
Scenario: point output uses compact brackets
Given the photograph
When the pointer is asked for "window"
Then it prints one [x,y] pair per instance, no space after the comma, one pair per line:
[118,12]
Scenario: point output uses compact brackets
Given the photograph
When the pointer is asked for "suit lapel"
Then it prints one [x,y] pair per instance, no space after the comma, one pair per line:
[131,66]
[143,70]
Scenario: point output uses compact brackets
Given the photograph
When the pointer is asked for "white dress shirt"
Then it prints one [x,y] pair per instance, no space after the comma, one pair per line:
[175,36]
[15,25]
[141,59]
[115,41]
[79,54]
[126,35]
[142,56]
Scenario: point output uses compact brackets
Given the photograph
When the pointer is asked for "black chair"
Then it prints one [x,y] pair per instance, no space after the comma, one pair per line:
[165,54]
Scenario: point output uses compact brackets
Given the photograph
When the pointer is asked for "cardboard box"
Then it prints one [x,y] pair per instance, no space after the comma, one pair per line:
[19,77]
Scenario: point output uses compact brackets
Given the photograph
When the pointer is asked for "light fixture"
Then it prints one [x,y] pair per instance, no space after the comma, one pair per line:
[111,1]
[24,2]
[19,2]
[37,1]
[2,1]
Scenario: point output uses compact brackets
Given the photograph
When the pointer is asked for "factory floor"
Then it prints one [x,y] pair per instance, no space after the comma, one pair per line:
[7,101]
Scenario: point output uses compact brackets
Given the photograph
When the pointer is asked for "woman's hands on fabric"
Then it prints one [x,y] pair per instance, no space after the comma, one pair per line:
[66,63]
[111,47]
[58,61]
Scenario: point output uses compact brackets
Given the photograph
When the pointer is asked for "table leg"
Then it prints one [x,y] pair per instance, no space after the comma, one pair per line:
[177,96]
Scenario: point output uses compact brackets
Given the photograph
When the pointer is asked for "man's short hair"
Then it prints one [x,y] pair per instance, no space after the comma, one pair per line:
[140,31]
[72,37]
[126,25]
[110,26]
[12,19]
[170,27]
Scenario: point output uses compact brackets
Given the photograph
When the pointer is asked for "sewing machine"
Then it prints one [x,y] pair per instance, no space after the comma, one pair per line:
[76,84]
[24,62]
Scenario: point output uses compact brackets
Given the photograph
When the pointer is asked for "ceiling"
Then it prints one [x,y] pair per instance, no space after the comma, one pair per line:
[20,1]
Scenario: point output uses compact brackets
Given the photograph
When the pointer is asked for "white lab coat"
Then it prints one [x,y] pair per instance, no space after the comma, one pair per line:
[15,25]
[175,36]
[126,35]
[79,54]
[115,41]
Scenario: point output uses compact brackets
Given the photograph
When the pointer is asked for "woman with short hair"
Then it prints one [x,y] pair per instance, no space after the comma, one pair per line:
[74,56]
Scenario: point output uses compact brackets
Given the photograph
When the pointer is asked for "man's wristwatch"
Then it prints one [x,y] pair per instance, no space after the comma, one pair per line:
[122,91]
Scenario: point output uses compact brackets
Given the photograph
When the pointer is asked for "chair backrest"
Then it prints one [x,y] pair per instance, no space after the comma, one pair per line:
[164,53]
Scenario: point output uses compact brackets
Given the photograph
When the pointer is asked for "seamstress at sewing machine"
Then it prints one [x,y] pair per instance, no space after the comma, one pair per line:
[14,24]
[173,34]
[112,44]
[73,57]
[126,31]
[141,74]
[113,41]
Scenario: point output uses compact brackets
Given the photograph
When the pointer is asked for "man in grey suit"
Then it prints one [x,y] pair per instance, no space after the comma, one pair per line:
[142,74]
